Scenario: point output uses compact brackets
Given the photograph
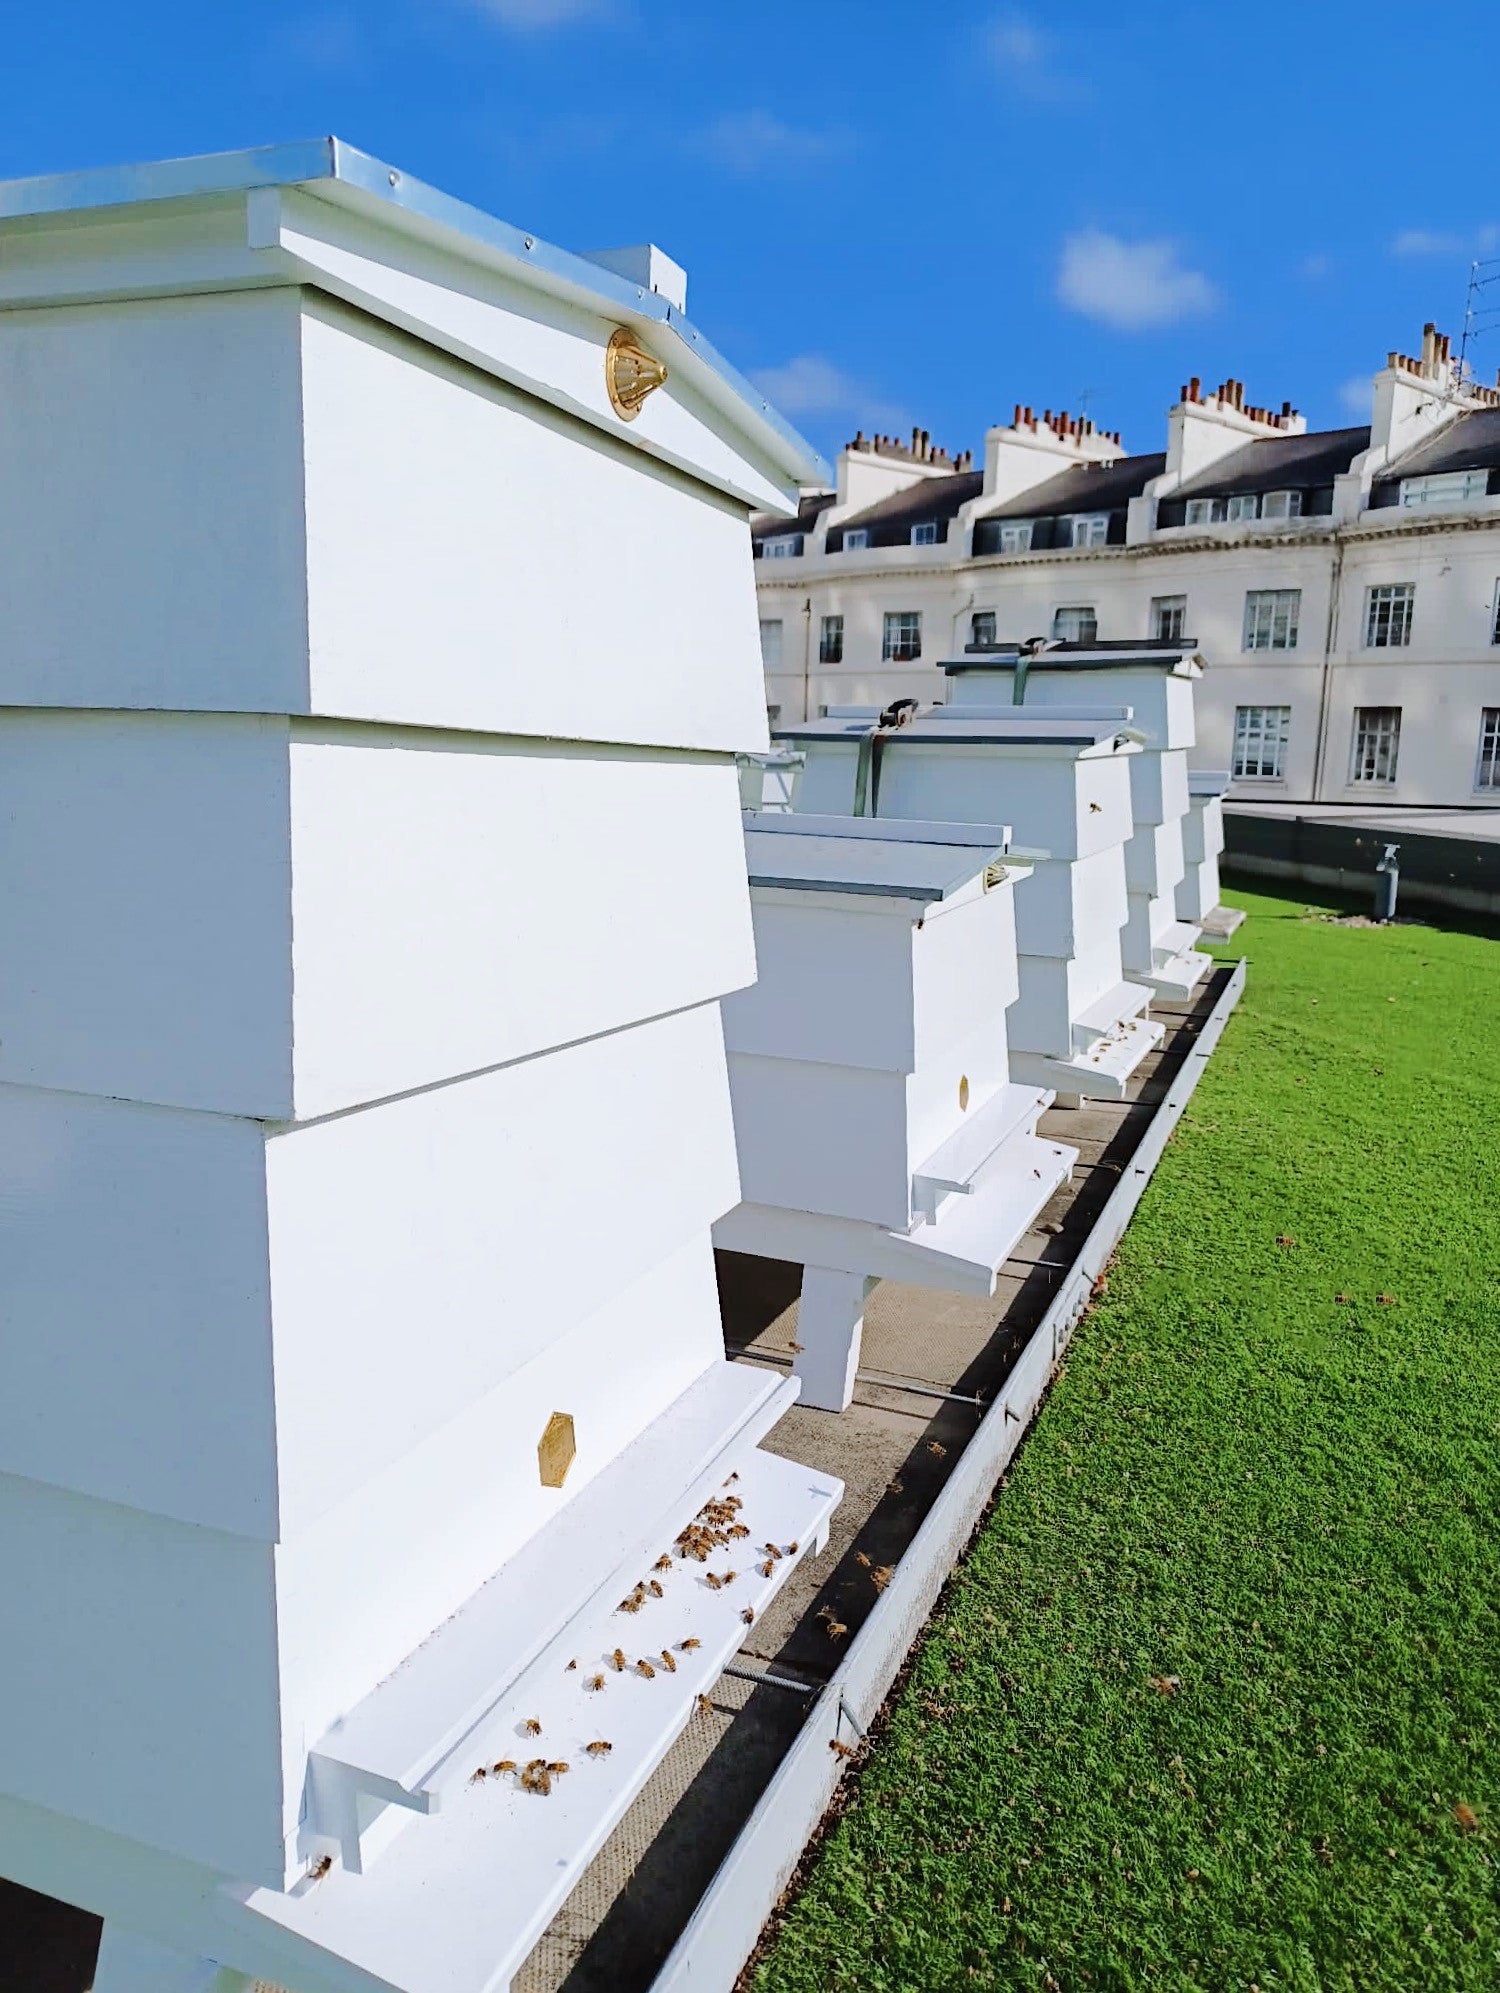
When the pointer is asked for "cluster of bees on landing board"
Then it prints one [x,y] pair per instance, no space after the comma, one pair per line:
[716,1526]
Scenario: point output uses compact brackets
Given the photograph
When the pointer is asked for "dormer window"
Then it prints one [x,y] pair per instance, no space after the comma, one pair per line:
[784,547]
[856,539]
[1445,488]
[1242,505]
[1086,529]
[1015,536]
[924,533]
[1281,505]
[1203,511]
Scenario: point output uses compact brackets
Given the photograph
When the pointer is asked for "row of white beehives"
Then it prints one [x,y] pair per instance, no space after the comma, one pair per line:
[927,987]
[373,870]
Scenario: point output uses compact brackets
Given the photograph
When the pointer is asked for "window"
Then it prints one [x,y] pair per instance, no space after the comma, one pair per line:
[982,627]
[1243,505]
[783,547]
[856,539]
[1271,618]
[1388,615]
[770,644]
[1169,617]
[1495,617]
[1015,536]
[1487,774]
[1281,505]
[924,533]
[1200,511]
[1076,626]
[1260,738]
[902,637]
[1444,488]
[1086,529]
[1377,737]
[831,640]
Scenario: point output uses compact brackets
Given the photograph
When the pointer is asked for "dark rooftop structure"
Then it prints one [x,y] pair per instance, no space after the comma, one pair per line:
[889,522]
[1470,443]
[774,526]
[1082,488]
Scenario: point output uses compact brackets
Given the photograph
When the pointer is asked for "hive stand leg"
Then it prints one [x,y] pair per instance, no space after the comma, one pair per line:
[830,1324]
[131,1964]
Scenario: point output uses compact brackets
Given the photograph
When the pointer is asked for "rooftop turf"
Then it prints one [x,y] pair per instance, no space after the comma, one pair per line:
[1214,1701]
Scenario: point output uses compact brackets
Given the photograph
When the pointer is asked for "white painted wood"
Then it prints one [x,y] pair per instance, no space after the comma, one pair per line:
[1159,693]
[1153,858]
[457,1902]
[132,1964]
[357,1263]
[830,1328]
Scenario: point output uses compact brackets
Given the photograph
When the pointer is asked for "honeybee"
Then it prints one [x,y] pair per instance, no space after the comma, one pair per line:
[730,1576]
[667,1662]
[505,1765]
[663,1563]
[482,1773]
[796,1348]
[594,1684]
[748,1615]
[619,1660]
[654,1589]
[320,1868]
[600,1748]
[860,1558]
[632,1604]
[882,1575]
[536,1777]
[836,1629]
[645,1668]
[937,1452]
[570,1667]
[687,1646]
[1096,809]
[558,1769]
[705,1707]
[532,1727]
[841,1750]
[737,1530]
[767,1568]
[714,1580]
[731,1481]
[791,1550]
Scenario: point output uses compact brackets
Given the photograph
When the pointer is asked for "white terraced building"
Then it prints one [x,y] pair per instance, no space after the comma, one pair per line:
[1342,585]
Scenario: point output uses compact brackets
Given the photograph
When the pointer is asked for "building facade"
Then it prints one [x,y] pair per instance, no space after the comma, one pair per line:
[1342,585]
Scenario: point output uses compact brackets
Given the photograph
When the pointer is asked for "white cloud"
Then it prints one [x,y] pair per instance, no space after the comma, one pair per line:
[1027,62]
[1445,242]
[813,385]
[532,14]
[1129,285]
[1354,395]
[759,141]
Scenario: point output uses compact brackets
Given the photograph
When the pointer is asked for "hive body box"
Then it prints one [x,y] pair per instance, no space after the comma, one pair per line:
[1076,1022]
[879,1132]
[1202,841]
[1156,682]
[372,869]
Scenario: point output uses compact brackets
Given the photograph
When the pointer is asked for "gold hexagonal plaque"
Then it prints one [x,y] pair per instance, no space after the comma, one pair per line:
[630,373]
[555,1449]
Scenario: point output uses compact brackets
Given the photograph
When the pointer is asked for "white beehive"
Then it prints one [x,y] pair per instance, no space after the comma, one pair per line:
[1065,786]
[372,872]
[1202,841]
[879,1132]
[1155,680]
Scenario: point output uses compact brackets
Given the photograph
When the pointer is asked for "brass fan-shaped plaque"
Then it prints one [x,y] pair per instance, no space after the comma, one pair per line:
[630,374]
[555,1450]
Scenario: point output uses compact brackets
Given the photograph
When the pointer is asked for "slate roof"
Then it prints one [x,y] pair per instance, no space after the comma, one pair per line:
[1470,443]
[929,498]
[772,525]
[1279,463]
[1084,488]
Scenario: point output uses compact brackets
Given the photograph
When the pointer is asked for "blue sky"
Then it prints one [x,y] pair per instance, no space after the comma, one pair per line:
[889,213]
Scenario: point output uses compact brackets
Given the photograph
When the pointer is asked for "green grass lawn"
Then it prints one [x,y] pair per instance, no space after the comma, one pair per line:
[1214,1701]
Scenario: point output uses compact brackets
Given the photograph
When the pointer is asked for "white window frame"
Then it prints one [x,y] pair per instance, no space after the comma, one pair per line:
[1076,636]
[768,661]
[1376,746]
[856,539]
[1087,529]
[1272,616]
[1445,488]
[1261,736]
[1204,512]
[783,547]
[1392,630]
[924,533]
[823,635]
[1242,505]
[894,633]
[1281,505]
[1169,608]
[1015,535]
[1487,764]
[978,616]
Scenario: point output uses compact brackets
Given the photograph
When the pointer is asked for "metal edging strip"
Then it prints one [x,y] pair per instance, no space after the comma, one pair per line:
[723,1931]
